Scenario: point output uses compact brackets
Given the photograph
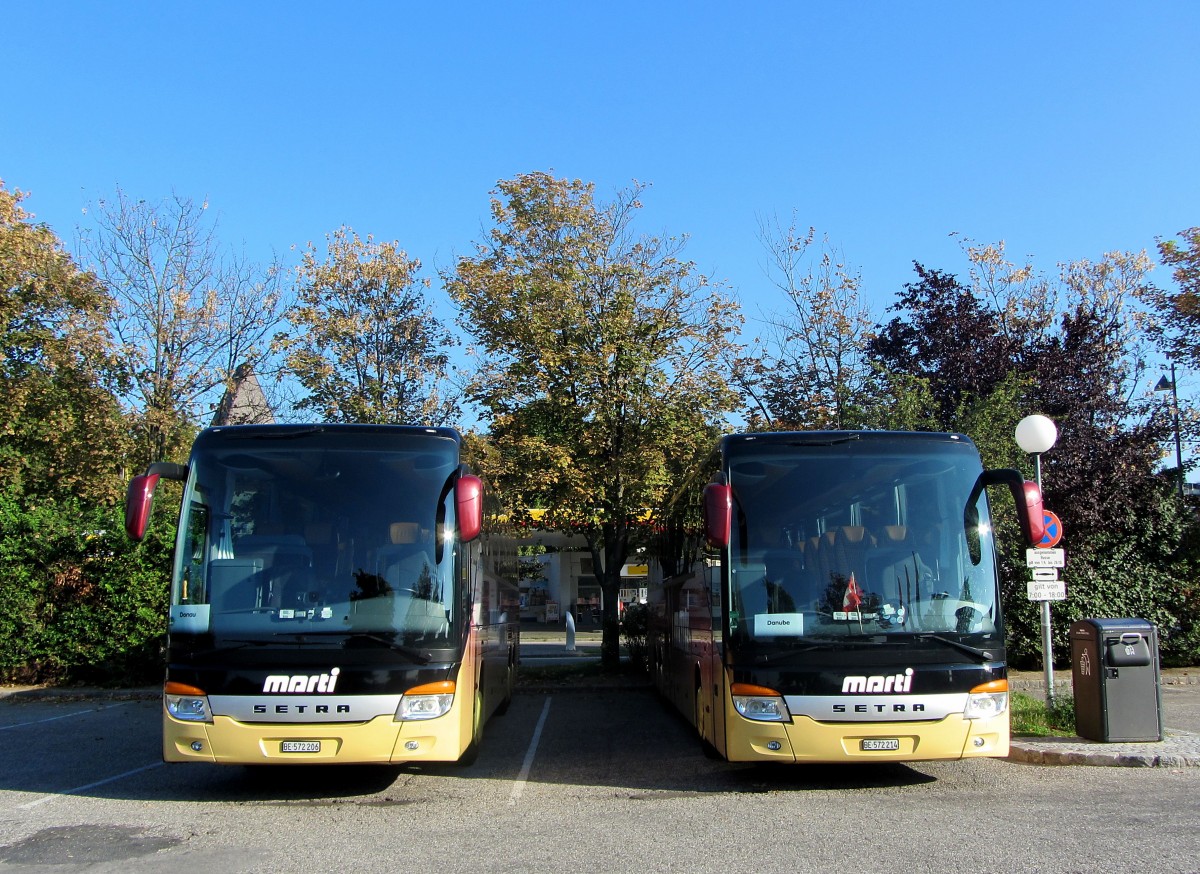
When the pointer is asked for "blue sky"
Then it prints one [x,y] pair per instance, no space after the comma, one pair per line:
[1066,129]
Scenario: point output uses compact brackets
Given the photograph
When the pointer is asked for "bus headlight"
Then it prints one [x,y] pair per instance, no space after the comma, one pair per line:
[987,701]
[426,702]
[759,703]
[186,703]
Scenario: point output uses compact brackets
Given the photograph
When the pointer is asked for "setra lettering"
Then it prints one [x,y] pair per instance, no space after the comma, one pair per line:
[302,708]
[881,708]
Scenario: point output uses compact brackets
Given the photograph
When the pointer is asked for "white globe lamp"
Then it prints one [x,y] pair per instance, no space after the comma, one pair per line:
[1036,434]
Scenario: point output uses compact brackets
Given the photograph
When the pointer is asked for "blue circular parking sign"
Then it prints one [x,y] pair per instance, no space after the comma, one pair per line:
[1053,530]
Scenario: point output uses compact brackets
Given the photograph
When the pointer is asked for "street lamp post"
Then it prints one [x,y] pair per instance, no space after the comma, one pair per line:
[1035,435]
[1164,385]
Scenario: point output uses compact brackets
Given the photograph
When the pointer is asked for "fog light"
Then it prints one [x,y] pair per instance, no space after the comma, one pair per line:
[774,746]
[412,745]
[978,741]
[197,746]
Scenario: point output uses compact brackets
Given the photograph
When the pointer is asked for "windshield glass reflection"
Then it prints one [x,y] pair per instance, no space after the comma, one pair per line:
[858,539]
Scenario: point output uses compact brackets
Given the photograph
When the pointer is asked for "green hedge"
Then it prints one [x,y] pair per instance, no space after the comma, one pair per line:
[1118,583]
[80,603]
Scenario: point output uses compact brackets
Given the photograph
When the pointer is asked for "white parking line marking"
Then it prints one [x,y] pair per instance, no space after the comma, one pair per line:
[65,715]
[47,798]
[523,777]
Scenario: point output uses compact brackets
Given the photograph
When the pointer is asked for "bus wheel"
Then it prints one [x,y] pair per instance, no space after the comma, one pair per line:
[509,683]
[471,753]
[710,752]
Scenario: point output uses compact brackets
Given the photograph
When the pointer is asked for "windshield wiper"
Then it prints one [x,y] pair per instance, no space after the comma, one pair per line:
[810,645]
[421,658]
[774,658]
[981,654]
[238,643]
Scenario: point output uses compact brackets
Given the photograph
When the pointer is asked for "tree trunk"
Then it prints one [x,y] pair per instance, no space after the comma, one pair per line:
[612,545]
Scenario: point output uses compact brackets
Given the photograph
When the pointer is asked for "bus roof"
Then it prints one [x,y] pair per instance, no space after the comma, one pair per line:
[826,438]
[223,433]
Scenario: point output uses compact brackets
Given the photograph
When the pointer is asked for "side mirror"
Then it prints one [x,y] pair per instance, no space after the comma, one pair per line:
[139,500]
[468,506]
[1033,519]
[1027,495]
[718,514]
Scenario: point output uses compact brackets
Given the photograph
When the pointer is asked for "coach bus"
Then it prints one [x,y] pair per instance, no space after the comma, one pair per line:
[839,600]
[332,599]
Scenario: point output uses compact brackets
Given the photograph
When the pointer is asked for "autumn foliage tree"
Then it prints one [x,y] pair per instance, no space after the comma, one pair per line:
[188,312]
[1177,309]
[1011,343]
[600,361]
[363,340]
[75,600]
[810,368]
[63,433]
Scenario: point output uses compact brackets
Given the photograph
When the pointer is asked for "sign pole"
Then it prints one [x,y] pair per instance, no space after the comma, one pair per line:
[1047,638]
[1037,434]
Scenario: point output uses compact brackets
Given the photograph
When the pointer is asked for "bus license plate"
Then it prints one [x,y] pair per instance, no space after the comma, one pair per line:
[880,743]
[300,746]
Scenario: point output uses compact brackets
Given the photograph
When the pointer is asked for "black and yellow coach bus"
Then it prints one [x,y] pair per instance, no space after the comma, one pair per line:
[837,599]
[334,599]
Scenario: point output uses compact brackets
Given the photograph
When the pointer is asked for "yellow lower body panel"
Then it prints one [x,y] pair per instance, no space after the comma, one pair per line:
[379,741]
[806,740]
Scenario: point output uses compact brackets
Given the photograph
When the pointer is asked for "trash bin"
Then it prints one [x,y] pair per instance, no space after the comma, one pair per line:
[1114,671]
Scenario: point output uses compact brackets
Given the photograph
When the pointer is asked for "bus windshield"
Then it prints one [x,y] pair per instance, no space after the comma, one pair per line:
[286,534]
[859,538]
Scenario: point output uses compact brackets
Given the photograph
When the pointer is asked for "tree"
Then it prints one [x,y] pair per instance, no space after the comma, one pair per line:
[811,371]
[187,313]
[364,341]
[1178,311]
[600,361]
[1014,343]
[63,434]
[946,336]
[75,599]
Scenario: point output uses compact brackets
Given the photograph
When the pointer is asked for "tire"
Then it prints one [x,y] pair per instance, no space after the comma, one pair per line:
[709,751]
[509,683]
[471,753]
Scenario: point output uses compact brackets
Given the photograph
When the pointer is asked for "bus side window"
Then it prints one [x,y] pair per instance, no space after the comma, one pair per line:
[192,588]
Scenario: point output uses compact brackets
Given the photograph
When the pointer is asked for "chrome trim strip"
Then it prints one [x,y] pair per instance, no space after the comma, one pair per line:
[877,708]
[303,708]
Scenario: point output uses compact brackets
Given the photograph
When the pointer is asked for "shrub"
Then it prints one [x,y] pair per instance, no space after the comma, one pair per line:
[78,601]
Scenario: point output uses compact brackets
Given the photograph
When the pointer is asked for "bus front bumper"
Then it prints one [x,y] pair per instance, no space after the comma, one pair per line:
[381,740]
[807,740]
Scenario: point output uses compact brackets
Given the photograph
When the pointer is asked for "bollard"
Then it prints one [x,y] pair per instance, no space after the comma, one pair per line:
[570,631]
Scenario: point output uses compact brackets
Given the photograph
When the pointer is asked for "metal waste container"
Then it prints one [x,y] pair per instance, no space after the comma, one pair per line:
[1114,670]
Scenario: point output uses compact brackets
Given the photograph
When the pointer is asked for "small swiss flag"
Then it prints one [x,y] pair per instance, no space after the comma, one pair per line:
[853,598]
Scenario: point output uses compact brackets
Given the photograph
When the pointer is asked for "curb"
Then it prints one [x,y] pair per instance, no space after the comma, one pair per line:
[1177,749]
[25,694]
